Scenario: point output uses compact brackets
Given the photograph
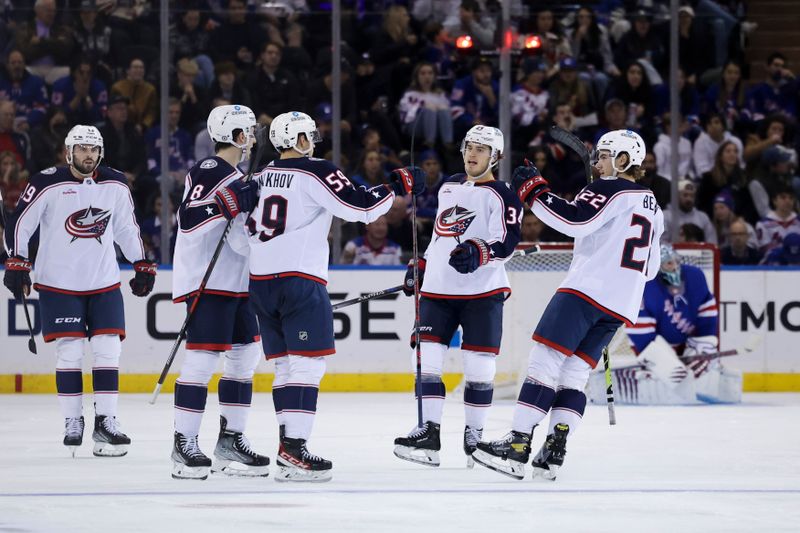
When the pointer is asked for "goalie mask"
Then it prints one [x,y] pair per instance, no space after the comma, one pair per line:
[487,136]
[224,120]
[285,130]
[670,271]
[85,136]
[622,141]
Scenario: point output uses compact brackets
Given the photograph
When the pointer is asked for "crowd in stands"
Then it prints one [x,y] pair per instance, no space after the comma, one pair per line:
[601,66]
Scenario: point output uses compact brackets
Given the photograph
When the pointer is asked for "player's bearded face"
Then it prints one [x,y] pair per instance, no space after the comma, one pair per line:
[476,159]
[85,158]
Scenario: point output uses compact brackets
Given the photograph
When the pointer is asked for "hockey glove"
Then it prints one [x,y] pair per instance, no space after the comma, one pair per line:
[145,278]
[18,276]
[528,183]
[469,255]
[408,283]
[407,180]
[238,197]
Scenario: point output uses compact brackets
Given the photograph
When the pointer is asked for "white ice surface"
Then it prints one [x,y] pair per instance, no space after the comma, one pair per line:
[715,468]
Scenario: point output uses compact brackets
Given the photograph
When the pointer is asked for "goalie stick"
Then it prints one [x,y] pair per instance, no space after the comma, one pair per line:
[398,288]
[261,143]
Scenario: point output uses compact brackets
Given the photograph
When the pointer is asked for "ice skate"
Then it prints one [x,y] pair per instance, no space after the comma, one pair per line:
[471,438]
[551,457]
[421,446]
[109,440]
[295,463]
[234,457]
[187,459]
[73,433]
[507,455]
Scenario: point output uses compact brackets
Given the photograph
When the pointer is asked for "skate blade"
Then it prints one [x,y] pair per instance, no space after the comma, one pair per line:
[237,469]
[104,449]
[181,471]
[507,467]
[73,450]
[548,474]
[470,462]
[418,456]
[289,473]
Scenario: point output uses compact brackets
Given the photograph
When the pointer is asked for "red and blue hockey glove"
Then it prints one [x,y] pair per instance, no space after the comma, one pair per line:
[408,282]
[407,180]
[145,278]
[238,197]
[528,183]
[469,255]
[18,276]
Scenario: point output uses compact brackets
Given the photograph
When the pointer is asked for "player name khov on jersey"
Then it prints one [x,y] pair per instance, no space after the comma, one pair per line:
[275,179]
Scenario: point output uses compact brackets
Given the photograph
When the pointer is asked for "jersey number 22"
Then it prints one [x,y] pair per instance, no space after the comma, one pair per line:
[642,241]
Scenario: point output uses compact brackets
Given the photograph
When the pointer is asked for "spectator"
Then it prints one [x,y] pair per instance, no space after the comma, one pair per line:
[123,145]
[319,92]
[687,94]
[128,20]
[191,39]
[727,97]
[723,215]
[13,179]
[726,174]
[641,42]
[190,94]
[788,254]
[777,94]
[555,46]
[474,98]
[428,202]
[181,155]
[274,89]
[663,150]
[27,90]
[432,10]
[94,38]
[529,103]
[634,89]
[660,185]
[779,222]
[568,88]
[370,170]
[738,251]
[440,51]
[696,49]
[47,140]
[773,130]
[532,227]
[395,41]
[373,96]
[591,48]
[43,41]
[690,233]
[150,228]
[142,95]
[373,248]
[82,96]
[295,58]
[238,37]
[687,213]
[775,174]
[469,20]
[425,99]
[400,228]
[613,119]
[10,140]
[227,86]
[707,144]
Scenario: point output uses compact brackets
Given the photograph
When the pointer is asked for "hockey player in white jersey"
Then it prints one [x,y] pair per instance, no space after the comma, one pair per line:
[288,236]
[223,322]
[617,225]
[464,283]
[81,210]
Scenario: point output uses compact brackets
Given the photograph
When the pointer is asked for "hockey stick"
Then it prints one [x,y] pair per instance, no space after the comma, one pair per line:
[415,255]
[751,344]
[31,340]
[612,415]
[398,288]
[261,142]
[576,145]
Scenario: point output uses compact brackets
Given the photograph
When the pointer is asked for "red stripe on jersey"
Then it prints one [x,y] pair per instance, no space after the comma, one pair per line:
[108,331]
[554,345]
[475,348]
[40,287]
[640,325]
[464,296]
[591,362]
[571,223]
[53,336]
[327,188]
[264,277]
[208,346]
[598,306]
[217,292]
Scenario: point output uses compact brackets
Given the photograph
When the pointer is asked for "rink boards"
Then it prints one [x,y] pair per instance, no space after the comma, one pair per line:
[373,353]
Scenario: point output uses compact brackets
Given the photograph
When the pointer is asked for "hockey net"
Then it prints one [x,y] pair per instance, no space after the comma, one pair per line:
[535,278]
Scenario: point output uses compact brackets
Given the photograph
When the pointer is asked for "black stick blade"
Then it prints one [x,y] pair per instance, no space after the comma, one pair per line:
[32,345]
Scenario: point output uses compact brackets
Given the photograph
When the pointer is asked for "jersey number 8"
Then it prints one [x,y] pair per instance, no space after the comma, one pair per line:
[273,218]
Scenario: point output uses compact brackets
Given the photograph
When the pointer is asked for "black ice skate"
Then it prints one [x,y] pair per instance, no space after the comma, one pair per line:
[551,456]
[73,433]
[471,438]
[507,455]
[295,463]
[420,446]
[233,455]
[109,440]
[188,462]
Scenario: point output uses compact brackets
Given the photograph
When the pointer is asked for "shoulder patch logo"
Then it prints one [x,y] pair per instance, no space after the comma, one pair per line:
[51,170]
[453,222]
[88,223]
[208,163]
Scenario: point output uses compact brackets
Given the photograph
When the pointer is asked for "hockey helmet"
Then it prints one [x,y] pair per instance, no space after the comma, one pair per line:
[87,135]
[286,128]
[224,119]
[623,141]
[489,136]
[670,271]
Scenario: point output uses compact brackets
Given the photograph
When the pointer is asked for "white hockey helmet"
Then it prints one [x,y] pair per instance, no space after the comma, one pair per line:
[286,128]
[623,141]
[224,119]
[486,135]
[88,135]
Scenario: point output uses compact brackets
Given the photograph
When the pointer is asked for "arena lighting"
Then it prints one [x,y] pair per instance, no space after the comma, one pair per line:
[532,42]
[464,42]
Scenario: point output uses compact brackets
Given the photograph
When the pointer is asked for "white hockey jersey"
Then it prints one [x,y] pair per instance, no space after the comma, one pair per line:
[490,211]
[200,226]
[288,229]
[617,225]
[79,222]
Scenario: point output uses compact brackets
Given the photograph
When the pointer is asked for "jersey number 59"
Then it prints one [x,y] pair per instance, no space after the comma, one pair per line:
[273,218]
